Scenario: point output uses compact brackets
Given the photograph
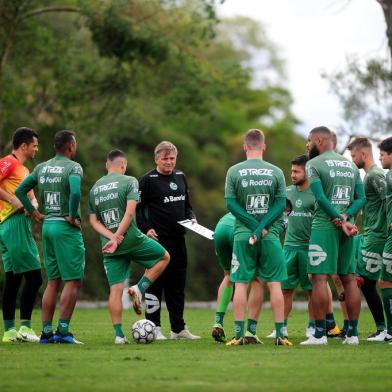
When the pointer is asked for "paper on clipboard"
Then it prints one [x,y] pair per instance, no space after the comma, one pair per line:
[199,229]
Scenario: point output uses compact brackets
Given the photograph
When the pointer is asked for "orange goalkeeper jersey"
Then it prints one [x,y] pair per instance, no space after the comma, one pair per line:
[12,173]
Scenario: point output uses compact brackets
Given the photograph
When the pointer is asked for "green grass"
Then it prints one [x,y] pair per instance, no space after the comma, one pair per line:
[99,365]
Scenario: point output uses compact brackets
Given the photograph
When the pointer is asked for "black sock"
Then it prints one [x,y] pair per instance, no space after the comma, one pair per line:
[11,287]
[33,281]
[373,300]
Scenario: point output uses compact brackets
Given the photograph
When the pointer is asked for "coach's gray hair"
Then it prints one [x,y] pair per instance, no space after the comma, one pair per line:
[166,147]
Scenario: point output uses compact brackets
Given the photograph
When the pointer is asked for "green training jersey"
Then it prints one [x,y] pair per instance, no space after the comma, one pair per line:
[255,184]
[300,219]
[108,201]
[374,211]
[52,178]
[338,178]
[389,200]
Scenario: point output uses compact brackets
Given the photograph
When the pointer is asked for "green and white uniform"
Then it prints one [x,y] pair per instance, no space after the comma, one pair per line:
[62,243]
[296,242]
[223,240]
[108,201]
[374,224]
[330,250]
[386,271]
[255,184]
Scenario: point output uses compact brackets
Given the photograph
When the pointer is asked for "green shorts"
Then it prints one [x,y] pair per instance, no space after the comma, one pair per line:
[63,250]
[18,248]
[331,252]
[223,240]
[296,262]
[370,260]
[264,259]
[147,254]
[386,270]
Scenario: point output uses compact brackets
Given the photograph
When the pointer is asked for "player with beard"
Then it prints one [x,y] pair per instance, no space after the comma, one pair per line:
[374,231]
[386,271]
[339,193]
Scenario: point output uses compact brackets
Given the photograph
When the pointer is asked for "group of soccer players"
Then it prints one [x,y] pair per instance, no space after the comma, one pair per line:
[326,196]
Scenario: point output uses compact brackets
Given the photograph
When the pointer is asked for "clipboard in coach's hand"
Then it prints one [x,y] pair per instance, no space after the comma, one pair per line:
[199,229]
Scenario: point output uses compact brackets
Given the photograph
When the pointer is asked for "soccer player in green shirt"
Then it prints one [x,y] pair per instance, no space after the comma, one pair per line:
[255,194]
[374,231]
[58,181]
[339,193]
[386,271]
[112,206]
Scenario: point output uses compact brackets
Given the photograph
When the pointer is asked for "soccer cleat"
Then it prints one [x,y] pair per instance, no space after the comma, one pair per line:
[342,334]
[351,340]
[27,334]
[184,334]
[159,334]
[310,331]
[312,341]
[334,332]
[11,336]
[46,338]
[250,338]
[236,342]
[136,298]
[272,335]
[282,342]
[388,338]
[378,336]
[67,338]
[121,340]
[218,333]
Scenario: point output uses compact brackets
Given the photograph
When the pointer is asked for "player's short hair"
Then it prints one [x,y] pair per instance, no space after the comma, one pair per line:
[165,147]
[254,138]
[323,131]
[301,160]
[23,135]
[386,145]
[116,154]
[62,140]
[359,142]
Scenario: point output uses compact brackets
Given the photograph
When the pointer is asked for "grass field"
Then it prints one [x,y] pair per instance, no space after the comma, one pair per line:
[201,365]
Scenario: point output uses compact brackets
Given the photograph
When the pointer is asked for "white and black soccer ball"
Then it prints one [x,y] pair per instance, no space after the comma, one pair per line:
[144,331]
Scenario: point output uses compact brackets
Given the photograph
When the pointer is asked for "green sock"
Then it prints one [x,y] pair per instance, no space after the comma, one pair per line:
[380,326]
[9,324]
[118,330]
[345,325]
[285,323]
[143,284]
[219,316]
[239,329]
[279,330]
[252,326]
[47,327]
[63,326]
[352,328]
[330,321]
[227,293]
[387,301]
[320,329]
[25,323]
[311,324]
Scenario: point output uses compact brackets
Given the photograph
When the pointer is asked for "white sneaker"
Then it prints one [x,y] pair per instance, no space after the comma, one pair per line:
[136,298]
[28,335]
[184,334]
[388,338]
[378,336]
[120,340]
[314,341]
[310,331]
[159,334]
[351,340]
[272,335]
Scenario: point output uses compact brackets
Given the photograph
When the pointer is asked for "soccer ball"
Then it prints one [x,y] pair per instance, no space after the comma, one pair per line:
[144,331]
